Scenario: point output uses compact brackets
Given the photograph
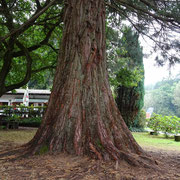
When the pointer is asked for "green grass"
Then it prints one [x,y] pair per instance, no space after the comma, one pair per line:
[144,139]
[148,141]
[16,136]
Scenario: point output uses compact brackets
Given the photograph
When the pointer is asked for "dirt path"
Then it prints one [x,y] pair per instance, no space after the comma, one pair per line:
[66,167]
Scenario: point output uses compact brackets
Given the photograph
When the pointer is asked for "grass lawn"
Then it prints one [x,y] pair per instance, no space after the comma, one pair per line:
[148,141]
[144,139]
[16,136]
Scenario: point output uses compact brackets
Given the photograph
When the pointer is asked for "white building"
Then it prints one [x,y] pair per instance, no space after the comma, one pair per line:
[37,97]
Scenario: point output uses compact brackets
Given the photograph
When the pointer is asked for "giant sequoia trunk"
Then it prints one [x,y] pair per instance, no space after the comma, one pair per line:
[82,117]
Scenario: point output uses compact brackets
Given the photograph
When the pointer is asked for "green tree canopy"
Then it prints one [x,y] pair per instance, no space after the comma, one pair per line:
[176,98]
[29,41]
[163,97]
[125,58]
[127,76]
[30,33]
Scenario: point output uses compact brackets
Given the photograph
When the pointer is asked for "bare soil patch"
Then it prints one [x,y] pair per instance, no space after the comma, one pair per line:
[65,167]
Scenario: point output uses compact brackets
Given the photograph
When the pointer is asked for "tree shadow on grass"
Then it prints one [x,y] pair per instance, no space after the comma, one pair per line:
[12,151]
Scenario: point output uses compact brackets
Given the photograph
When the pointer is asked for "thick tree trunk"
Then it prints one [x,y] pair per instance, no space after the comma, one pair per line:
[82,117]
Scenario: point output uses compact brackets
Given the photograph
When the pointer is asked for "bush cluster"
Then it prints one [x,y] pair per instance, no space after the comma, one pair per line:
[166,124]
[30,122]
[26,122]
[28,116]
[21,110]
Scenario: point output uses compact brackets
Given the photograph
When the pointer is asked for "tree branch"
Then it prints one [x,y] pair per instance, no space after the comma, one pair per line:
[28,69]
[5,67]
[55,50]
[27,24]
[12,4]
[43,68]
[47,19]
[161,16]
[157,43]
[38,5]
[43,42]
[7,15]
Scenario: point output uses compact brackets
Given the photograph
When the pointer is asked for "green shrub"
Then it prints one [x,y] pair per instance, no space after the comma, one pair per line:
[2,127]
[14,117]
[30,122]
[176,124]
[154,122]
[166,124]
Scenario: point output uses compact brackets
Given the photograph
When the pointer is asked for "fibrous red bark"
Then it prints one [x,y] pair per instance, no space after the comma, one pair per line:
[82,117]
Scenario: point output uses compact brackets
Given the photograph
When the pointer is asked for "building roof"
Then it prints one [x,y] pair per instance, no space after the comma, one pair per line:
[32,100]
[31,91]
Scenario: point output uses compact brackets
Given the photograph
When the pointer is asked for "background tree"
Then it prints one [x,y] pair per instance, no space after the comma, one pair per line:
[127,77]
[43,81]
[162,97]
[176,98]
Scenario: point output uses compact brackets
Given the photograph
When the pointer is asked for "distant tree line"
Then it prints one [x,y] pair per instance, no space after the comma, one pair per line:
[164,97]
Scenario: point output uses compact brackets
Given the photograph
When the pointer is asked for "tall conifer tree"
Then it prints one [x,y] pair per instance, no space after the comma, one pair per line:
[130,92]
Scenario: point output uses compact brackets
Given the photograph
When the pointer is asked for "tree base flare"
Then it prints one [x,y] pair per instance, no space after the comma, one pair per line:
[82,117]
